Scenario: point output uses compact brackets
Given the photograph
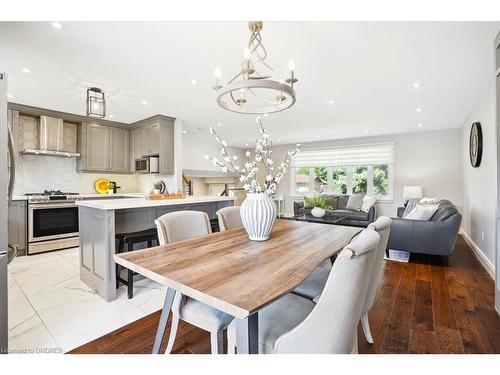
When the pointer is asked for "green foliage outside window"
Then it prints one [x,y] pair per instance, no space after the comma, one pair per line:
[360,180]
[381,180]
[340,180]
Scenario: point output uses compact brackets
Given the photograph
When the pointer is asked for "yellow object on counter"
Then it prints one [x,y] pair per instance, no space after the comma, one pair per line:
[101,186]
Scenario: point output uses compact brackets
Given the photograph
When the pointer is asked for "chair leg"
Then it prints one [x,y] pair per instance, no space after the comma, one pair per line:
[355,346]
[366,328]
[118,268]
[130,284]
[231,347]
[173,333]
[217,342]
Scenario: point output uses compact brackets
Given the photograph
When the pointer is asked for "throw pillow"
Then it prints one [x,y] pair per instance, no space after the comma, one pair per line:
[409,207]
[368,202]
[422,212]
[426,200]
[355,202]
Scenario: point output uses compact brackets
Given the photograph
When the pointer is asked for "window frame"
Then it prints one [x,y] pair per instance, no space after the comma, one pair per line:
[369,186]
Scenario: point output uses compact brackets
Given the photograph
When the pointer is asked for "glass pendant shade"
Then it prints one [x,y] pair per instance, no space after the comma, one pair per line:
[96,103]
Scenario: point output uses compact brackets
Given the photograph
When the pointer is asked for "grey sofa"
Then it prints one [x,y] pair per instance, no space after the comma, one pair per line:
[338,203]
[436,236]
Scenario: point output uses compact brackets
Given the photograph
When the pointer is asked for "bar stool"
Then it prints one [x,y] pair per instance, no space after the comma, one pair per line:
[130,239]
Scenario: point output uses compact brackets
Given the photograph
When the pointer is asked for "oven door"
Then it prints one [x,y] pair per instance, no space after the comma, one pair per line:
[52,221]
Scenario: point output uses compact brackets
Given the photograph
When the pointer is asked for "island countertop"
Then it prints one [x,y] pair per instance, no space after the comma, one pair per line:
[123,204]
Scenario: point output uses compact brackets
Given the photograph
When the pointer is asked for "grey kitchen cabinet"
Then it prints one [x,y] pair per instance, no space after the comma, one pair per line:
[18,224]
[103,148]
[97,152]
[119,150]
[154,136]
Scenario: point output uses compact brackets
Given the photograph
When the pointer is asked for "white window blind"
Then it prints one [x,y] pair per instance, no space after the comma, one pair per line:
[367,154]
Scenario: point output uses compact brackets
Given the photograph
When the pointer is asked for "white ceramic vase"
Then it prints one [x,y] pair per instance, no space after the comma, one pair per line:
[317,212]
[258,214]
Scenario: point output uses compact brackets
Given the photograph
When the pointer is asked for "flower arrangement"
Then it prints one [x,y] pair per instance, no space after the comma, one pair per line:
[262,158]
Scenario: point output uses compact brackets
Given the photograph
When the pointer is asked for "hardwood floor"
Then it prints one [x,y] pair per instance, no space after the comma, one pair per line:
[429,305]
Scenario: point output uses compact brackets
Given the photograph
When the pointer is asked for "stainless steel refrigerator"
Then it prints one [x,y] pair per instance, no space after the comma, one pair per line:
[5,182]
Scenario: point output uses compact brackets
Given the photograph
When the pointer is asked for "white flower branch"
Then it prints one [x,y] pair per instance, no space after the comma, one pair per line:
[263,155]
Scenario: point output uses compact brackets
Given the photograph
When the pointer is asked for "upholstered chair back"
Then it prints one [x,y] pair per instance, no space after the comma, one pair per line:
[229,218]
[383,227]
[182,225]
[331,327]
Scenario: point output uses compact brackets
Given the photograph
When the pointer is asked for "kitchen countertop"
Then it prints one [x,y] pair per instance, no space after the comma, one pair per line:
[123,204]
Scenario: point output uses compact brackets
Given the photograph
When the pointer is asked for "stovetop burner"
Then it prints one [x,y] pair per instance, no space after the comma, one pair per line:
[52,195]
[49,193]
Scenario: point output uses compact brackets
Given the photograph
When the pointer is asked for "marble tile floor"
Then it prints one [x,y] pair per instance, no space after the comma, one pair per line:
[51,310]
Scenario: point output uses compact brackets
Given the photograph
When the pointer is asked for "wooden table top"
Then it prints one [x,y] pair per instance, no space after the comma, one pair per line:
[233,274]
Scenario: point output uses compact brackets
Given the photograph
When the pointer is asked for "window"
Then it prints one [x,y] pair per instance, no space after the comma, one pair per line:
[302,180]
[345,170]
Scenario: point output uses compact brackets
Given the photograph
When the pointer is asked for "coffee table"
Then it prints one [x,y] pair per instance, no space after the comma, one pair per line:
[327,219]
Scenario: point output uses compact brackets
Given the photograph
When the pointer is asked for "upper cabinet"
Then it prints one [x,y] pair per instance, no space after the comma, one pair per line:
[103,149]
[154,136]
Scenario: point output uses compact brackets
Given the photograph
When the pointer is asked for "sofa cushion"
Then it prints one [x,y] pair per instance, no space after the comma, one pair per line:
[355,202]
[351,214]
[444,211]
[342,201]
[422,212]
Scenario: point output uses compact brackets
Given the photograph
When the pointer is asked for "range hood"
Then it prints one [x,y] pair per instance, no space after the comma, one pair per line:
[50,139]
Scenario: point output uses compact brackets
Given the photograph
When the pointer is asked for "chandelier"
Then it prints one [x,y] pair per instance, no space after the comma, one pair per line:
[252,88]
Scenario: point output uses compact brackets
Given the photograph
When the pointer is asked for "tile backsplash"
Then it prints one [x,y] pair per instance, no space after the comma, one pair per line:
[36,173]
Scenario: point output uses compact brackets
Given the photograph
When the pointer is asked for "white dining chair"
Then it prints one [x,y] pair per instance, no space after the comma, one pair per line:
[382,226]
[229,218]
[179,226]
[294,324]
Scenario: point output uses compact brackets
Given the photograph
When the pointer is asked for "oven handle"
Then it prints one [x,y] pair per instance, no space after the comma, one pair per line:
[47,206]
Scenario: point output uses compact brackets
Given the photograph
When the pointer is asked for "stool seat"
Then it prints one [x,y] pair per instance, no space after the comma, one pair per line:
[132,238]
[151,232]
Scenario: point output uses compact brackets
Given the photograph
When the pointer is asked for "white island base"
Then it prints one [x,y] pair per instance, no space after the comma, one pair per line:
[100,220]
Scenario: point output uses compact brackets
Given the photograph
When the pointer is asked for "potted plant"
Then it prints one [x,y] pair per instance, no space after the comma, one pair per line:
[258,211]
[157,187]
[319,203]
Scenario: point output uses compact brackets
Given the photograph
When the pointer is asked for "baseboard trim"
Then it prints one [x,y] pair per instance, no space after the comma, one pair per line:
[486,263]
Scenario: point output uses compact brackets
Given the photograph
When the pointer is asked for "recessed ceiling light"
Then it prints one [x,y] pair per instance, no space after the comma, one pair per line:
[366,131]
[219,124]
[111,116]
[266,114]
[420,125]
[194,82]
[417,85]
[26,70]
[56,25]
[330,102]
[246,144]
[279,140]
[10,96]
[144,102]
[184,131]
[317,137]
[419,109]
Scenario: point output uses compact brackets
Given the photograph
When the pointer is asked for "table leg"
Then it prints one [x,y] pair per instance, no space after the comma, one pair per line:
[167,305]
[247,335]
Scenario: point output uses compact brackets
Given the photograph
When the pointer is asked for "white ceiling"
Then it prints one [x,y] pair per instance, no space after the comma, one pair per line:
[368,69]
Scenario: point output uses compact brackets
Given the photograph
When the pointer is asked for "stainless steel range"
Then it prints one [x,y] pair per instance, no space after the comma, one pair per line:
[52,221]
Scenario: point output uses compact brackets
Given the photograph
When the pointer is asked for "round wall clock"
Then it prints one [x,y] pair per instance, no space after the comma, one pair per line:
[475,144]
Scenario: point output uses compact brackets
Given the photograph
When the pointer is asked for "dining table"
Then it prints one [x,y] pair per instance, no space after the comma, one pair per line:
[228,271]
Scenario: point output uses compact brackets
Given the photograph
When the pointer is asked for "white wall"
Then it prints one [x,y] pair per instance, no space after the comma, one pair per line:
[196,145]
[480,184]
[431,159]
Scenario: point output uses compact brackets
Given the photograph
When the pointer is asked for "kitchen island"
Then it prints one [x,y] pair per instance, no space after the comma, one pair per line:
[100,220]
